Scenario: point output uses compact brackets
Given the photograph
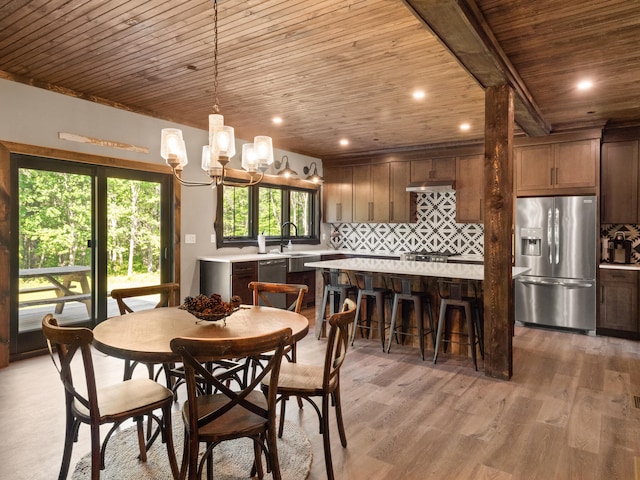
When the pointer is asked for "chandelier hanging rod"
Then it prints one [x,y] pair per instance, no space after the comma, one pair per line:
[256,156]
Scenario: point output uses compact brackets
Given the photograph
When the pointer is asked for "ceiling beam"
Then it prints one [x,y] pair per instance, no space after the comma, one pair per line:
[462,29]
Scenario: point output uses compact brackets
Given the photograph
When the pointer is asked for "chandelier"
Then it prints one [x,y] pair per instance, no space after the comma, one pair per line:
[256,156]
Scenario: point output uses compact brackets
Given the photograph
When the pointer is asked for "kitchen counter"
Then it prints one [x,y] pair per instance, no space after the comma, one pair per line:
[473,259]
[620,266]
[254,256]
[404,267]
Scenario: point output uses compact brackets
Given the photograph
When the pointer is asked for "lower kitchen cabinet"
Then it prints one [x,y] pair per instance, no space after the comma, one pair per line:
[228,279]
[307,278]
[619,303]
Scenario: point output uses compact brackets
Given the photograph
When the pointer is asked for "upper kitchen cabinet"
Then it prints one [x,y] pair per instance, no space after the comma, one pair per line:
[400,210]
[371,193]
[338,194]
[562,168]
[619,182]
[433,169]
[469,188]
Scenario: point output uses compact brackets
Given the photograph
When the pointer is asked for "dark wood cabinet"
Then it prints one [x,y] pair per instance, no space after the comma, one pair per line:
[307,278]
[242,273]
[570,167]
[618,302]
[619,183]
[469,188]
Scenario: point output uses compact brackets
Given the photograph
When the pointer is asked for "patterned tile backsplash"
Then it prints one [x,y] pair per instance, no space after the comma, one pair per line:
[631,232]
[435,230]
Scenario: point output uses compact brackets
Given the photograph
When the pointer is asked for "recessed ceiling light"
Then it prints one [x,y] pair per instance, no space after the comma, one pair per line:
[419,94]
[344,142]
[277,120]
[464,127]
[585,85]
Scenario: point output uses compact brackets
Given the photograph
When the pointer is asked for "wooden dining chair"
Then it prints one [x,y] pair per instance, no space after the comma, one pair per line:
[169,296]
[86,403]
[260,297]
[218,413]
[309,381]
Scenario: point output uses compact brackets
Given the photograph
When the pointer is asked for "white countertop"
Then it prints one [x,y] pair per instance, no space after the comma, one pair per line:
[254,256]
[467,258]
[274,254]
[403,267]
[620,266]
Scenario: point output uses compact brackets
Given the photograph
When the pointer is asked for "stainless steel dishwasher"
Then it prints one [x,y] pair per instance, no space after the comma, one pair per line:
[274,271]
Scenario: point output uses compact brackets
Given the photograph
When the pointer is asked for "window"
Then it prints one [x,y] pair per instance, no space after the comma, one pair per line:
[244,212]
[235,210]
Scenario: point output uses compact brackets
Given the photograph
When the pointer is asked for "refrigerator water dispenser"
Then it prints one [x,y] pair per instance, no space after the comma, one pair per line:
[531,239]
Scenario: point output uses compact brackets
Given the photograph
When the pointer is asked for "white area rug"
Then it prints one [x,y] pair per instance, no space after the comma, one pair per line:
[232,460]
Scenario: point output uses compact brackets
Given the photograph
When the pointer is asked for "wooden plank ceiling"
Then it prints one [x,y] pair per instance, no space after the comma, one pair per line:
[331,69]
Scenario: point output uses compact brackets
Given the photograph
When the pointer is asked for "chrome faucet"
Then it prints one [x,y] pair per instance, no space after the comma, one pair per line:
[291,224]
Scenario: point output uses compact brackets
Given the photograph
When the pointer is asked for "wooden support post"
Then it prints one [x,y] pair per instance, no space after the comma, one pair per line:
[498,215]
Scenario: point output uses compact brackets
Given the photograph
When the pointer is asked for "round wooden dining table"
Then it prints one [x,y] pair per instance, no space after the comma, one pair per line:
[145,335]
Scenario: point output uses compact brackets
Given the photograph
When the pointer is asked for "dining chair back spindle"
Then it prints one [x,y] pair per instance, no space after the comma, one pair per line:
[86,403]
[218,413]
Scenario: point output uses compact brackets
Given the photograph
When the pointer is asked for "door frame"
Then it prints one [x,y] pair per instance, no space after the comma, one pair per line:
[7,194]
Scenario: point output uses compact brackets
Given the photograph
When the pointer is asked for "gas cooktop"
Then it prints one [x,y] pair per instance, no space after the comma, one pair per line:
[425,256]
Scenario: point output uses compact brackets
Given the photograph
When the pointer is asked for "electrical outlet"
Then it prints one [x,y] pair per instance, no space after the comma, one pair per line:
[190,238]
[213,238]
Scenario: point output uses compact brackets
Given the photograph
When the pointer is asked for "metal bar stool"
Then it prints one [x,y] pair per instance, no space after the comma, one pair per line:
[404,288]
[367,289]
[336,283]
[461,295]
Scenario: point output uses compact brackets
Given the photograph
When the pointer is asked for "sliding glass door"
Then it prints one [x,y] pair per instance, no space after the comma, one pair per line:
[135,251]
[81,231]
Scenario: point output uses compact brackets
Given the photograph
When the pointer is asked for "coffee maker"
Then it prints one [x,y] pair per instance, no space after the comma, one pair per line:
[620,249]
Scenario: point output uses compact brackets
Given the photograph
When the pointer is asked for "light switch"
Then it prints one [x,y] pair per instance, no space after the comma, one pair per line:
[190,238]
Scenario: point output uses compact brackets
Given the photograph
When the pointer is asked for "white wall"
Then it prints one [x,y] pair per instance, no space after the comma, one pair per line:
[35,116]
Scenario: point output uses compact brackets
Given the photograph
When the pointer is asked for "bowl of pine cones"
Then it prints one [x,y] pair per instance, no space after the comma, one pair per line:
[211,308]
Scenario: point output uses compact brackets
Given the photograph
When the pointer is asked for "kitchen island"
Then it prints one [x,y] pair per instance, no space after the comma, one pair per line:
[405,267]
[434,270]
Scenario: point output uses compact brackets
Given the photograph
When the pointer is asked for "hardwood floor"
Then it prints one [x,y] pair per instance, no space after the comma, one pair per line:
[568,412]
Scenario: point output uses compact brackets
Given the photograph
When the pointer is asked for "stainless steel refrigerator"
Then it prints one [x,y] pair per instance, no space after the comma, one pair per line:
[557,238]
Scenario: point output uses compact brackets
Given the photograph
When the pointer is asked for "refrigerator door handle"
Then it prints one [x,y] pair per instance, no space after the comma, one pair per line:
[549,242]
[556,235]
[557,283]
